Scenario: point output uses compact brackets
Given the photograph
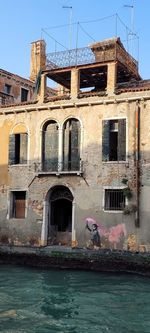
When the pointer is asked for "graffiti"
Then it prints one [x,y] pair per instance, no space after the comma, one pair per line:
[95,235]
[113,234]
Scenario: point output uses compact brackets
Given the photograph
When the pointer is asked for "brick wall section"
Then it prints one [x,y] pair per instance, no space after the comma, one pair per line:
[75,82]
[38,58]
[111,77]
[16,82]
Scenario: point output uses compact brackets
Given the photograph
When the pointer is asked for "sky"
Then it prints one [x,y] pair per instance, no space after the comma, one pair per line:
[69,24]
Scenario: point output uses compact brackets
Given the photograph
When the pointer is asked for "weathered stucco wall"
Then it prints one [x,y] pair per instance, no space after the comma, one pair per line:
[87,189]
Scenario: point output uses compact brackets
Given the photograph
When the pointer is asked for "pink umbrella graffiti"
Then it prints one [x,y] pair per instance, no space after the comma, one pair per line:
[113,234]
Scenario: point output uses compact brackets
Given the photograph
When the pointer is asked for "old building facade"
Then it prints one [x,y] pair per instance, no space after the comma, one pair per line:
[14,89]
[79,152]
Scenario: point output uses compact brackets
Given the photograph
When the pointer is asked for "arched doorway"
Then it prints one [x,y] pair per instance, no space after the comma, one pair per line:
[60,216]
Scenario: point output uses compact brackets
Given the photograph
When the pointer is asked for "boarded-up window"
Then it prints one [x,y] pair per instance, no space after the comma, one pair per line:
[18,204]
[50,146]
[114,199]
[114,140]
[71,145]
[18,148]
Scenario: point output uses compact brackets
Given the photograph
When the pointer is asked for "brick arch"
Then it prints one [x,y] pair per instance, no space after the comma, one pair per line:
[19,128]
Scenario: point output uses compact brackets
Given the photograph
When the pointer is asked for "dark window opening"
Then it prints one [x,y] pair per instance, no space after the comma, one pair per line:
[114,199]
[18,204]
[24,95]
[18,148]
[114,140]
[61,215]
[7,89]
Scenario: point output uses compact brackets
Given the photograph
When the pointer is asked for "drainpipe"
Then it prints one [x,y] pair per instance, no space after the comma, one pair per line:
[60,150]
[137,161]
[73,240]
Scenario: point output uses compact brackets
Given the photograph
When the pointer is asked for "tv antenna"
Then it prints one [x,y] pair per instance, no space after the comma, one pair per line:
[70,25]
[131,32]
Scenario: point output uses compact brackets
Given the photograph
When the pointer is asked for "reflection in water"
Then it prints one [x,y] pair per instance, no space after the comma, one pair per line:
[48,301]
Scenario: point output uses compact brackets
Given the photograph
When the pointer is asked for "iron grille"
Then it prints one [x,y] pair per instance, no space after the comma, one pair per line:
[114,199]
[69,58]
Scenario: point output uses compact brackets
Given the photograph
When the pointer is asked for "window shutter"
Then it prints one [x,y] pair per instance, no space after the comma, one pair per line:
[75,145]
[23,148]
[51,148]
[121,139]
[105,140]
[66,142]
[12,149]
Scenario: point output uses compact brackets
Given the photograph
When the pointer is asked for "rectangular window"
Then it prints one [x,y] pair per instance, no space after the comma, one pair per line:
[18,148]
[114,199]
[7,89]
[114,140]
[24,95]
[18,204]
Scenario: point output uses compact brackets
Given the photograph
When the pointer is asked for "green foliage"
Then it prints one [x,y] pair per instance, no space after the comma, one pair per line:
[127,192]
[124,181]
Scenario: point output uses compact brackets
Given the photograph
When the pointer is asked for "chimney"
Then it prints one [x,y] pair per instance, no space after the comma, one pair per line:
[38,58]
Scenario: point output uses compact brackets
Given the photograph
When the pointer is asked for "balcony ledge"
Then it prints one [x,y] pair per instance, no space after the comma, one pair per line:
[59,173]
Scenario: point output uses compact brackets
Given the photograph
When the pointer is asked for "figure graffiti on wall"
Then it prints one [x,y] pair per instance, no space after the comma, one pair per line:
[95,236]
[112,234]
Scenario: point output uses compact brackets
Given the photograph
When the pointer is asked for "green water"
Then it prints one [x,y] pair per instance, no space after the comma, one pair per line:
[45,301]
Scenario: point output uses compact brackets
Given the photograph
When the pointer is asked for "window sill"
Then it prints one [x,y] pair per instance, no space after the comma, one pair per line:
[16,218]
[115,162]
[59,173]
[113,211]
[18,165]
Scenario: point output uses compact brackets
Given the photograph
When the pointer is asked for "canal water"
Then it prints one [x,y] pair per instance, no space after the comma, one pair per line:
[49,301]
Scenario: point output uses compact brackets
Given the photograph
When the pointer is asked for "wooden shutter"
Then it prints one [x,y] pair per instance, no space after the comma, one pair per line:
[75,145]
[105,140]
[12,149]
[23,148]
[121,139]
[66,140]
[19,204]
[51,148]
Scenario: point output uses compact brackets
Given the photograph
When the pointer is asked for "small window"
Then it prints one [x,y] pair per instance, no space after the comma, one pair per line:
[24,95]
[18,148]
[18,204]
[114,199]
[114,140]
[7,89]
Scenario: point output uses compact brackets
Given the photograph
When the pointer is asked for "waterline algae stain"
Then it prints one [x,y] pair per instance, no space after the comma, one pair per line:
[50,301]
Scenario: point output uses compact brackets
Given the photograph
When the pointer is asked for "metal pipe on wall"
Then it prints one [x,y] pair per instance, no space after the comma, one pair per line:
[137,162]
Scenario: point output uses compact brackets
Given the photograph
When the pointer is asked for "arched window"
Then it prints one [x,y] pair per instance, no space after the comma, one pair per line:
[50,146]
[71,145]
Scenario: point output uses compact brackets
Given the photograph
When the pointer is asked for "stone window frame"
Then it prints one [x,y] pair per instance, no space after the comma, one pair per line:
[103,199]
[60,141]
[127,138]
[10,204]
[12,137]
